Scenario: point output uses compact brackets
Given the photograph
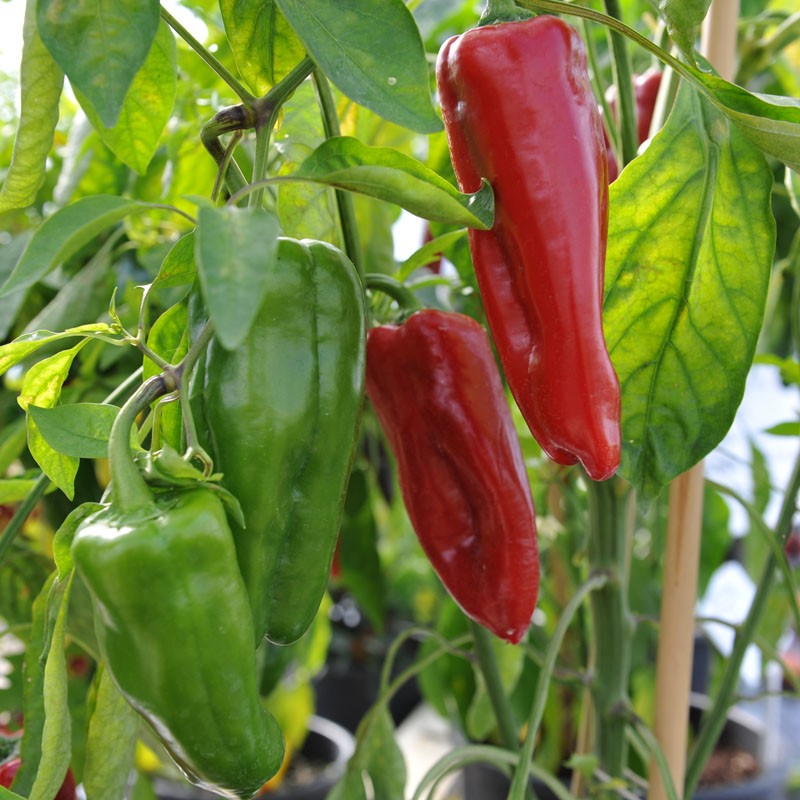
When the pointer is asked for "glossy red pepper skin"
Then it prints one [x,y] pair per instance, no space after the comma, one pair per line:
[436,389]
[519,111]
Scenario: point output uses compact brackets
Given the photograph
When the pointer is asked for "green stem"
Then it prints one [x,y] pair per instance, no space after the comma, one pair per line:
[594,69]
[267,109]
[714,720]
[344,202]
[212,62]
[129,489]
[498,11]
[401,294]
[233,119]
[193,446]
[609,503]
[490,669]
[594,584]
[624,78]
[16,522]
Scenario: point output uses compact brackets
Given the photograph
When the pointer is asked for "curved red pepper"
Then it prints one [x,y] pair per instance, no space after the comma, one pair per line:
[519,112]
[436,389]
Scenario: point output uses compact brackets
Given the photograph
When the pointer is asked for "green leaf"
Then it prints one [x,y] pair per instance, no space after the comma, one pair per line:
[111,743]
[169,339]
[100,45]
[14,352]
[80,430]
[62,541]
[263,43]
[41,82]
[15,490]
[7,793]
[683,309]
[134,137]
[56,732]
[683,18]
[379,756]
[390,175]
[350,39]
[42,387]
[305,210]
[771,123]
[358,551]
[33,691]
[12,442]
[233,247]
[784,429]
[63,234]
[11,304]
[178,268]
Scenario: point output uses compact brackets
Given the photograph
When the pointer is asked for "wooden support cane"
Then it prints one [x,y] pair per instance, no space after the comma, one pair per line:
[676,633]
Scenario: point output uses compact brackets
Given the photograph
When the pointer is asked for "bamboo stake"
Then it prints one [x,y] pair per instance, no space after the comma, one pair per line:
[674,661]
[676,632]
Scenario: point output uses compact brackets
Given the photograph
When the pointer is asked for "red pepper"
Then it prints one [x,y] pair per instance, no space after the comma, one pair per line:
[8,769]
[436,389]
[519,112]
[645,92]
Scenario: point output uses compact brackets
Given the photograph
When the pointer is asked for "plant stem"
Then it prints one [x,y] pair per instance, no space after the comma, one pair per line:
[267,110]
[391,287]
[212,62]
[609,522]
[487,661]
[594,584]
[624,78]
[36,493]
[127,485]
[344,202]
[714,720]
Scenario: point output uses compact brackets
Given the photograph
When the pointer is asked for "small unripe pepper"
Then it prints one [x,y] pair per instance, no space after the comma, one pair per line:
[174,627]
[519,112]
[283,411]
[436,389]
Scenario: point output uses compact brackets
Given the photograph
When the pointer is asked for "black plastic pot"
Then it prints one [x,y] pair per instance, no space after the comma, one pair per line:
[742,730]
[324,756]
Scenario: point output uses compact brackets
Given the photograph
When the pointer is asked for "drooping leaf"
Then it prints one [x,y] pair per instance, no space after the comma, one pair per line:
[378,756]
[56,740]
[263,43]
[349,39]
[63,234]
[233,247]
[42,387]
[80,430]
[134,137]
[41,82]
[389,175]
[100,45]
[111,743]
[771,123]
[14,352]
[683,309]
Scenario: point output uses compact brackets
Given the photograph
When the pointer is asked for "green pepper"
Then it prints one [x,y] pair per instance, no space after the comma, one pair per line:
[174,626]
[283,411]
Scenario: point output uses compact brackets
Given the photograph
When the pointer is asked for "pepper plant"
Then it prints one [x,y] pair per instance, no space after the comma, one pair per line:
[211,349]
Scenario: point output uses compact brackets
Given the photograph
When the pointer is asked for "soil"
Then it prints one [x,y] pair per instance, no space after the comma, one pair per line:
[729,765]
